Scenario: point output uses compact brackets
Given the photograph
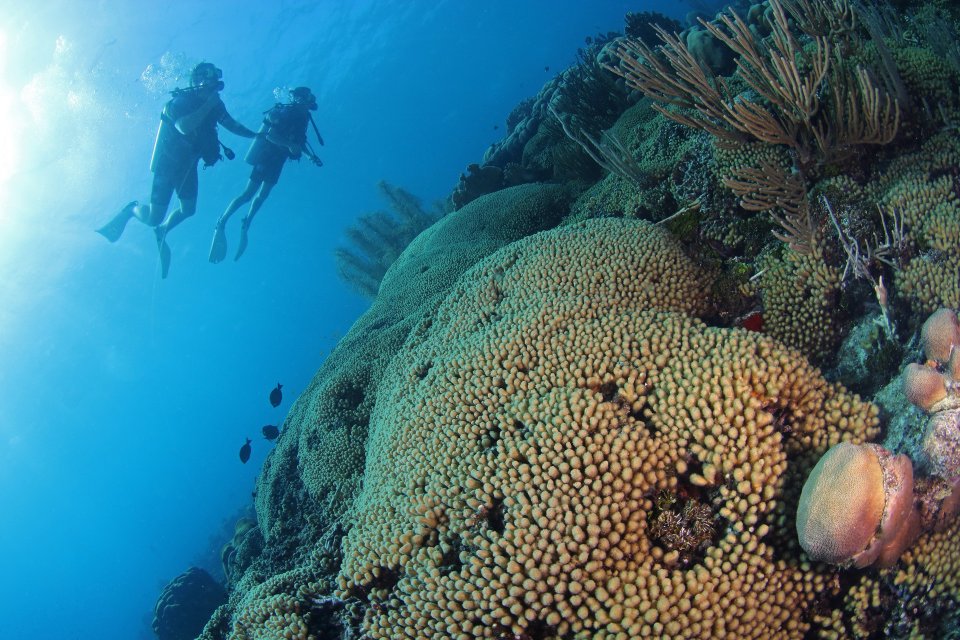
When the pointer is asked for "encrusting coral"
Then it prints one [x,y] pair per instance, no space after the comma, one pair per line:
[523,433]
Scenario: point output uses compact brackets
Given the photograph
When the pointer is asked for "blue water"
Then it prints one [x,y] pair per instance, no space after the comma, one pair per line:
[124,398]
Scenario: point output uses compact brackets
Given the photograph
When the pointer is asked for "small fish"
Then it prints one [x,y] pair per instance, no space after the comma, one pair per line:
[245,452]
[546,68]
[495,127]
[276,396]
[270,432]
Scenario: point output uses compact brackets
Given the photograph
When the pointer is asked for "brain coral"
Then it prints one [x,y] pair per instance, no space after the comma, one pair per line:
[857,506]
[559,406]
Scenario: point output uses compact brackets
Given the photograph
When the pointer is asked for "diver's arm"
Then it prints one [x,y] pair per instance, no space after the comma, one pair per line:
[188,123]
[233,126]
[294,147]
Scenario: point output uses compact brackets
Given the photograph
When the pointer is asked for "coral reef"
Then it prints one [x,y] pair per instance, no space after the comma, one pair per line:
[553,422]
[548,138]
[316,469]
[861,504]
[519,439]
[237,554]
[641,25]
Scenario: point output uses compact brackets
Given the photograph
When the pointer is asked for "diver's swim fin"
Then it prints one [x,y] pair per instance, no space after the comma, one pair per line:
[243,240]
[218,248]
[114,229]
[164,251]
[164,259]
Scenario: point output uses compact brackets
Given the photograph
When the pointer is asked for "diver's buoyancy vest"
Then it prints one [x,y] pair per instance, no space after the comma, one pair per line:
[283,121]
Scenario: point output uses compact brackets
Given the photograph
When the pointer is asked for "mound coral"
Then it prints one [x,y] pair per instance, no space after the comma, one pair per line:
[522,436]
[317,467]
[941,444]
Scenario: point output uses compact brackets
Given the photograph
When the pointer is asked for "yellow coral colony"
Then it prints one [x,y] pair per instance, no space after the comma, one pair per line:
[528,432]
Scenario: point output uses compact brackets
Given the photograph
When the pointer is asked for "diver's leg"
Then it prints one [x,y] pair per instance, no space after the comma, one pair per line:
[187,208]
[257,203]
[240,200]
[187,191]
[149,214]
[247,219]
[152,214]
[218,247]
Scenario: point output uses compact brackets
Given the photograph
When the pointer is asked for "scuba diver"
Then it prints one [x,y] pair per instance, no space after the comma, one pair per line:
[283,135]
[187,133]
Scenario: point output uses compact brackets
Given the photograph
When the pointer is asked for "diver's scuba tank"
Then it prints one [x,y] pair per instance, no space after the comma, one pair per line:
[258,146]
[169,146]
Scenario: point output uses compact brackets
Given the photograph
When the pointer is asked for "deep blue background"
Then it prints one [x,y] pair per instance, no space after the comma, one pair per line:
[124,398]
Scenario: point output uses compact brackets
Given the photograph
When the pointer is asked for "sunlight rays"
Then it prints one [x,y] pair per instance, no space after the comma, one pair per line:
[11,122]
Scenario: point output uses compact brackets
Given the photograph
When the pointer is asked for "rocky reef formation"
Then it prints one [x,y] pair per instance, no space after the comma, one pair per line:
[185,605]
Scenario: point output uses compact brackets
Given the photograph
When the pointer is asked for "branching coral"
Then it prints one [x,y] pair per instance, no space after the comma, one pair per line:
[379,237]
[811,102]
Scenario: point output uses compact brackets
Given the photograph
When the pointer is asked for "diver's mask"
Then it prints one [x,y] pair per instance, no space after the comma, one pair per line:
[303,96]
[207,74]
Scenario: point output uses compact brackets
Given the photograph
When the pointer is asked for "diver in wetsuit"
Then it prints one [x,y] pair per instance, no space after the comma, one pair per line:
[283,135]
[187,134]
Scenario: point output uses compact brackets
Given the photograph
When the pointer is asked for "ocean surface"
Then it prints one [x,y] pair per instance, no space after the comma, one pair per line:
[124,397]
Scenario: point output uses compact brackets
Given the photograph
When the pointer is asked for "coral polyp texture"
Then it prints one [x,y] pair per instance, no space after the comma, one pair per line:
[563,450]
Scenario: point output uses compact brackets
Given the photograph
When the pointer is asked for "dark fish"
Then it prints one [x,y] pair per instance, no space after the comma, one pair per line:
[245,452]
[496,126]
[270,432]
[546,68]
[276,395]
